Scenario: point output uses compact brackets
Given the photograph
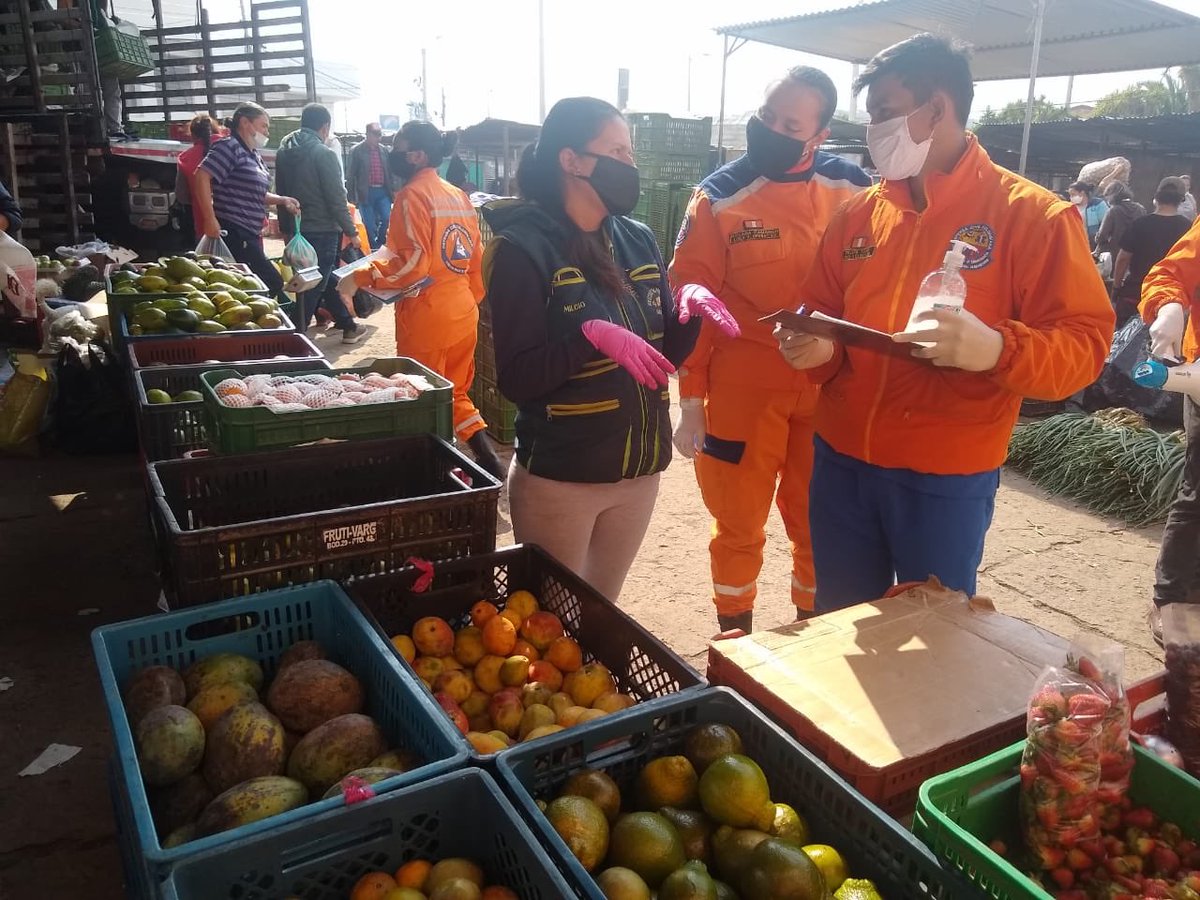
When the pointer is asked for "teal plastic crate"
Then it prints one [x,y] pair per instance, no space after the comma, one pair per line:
[462,814]
[260,627]
[257,428]
[874,845]
[960,812]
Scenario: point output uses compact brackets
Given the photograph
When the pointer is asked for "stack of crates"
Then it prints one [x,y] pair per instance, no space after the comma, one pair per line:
[498,412]
[673,157]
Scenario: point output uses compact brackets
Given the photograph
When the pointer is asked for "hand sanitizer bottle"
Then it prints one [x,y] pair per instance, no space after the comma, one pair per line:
[942,288]
[1180,379]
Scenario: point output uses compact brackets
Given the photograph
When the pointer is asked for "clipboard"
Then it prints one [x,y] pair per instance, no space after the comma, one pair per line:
[847,333]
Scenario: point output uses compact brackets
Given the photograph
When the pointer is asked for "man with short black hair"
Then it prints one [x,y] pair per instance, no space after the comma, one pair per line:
[305,168]
[909,444]
[370,184]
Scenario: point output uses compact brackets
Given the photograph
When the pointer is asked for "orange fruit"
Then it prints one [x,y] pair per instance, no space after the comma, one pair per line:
[522,602]
[428,668]
[373,886]
[404,893]
[405,647]
[457,685]
[523,648]
[584,829]
[542,629]
[515,671]
[513,616]
[433,636]
[545,674]
[482,613]
[613,702]
[499,636]
[495,892]
[468,646]
[413,874]
[587,684]
[487,674]
[565,654]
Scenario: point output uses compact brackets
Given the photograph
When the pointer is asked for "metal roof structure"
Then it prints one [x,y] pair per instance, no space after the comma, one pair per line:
[1083,140]
[1079,37]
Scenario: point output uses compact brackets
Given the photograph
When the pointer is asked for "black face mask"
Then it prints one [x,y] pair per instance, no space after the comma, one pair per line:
[617,184]
[772,154]
[402,167]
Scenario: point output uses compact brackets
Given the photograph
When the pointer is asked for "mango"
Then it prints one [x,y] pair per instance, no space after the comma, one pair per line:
[221,667]
[247,742]
[151,284]
[180,836]
[170,745]
[210,326]
[369,775]
[179,804]
[181,268]
[234,315]
[311,692]
[152,687]
[251,801]
[331,750]
[213,702]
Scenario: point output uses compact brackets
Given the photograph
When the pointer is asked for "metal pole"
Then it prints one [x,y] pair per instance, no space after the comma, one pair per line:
[854,70]
[541,61]
[689,84]
[1033,70]
[1070,91]
[721,120]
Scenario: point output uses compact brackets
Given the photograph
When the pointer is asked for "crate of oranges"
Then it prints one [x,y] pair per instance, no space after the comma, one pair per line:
[516,647]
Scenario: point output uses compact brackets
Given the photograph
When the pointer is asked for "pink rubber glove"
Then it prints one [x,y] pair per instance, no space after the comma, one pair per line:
[648,367]
[694,299]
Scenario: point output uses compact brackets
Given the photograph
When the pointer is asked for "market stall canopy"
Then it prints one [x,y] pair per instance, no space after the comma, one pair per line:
[1083,140]
[1080,37]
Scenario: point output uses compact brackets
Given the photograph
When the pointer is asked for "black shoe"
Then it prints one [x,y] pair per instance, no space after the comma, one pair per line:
[802,614]
[1154,617]
[485,456]
[741,622]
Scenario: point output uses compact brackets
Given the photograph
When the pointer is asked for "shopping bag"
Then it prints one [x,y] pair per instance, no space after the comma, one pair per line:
[214,247]
[93,411]
[299,253]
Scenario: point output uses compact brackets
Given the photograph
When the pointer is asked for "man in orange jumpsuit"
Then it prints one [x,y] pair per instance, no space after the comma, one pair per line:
[435,259]
[910,438]
[750,235]
[1171,307]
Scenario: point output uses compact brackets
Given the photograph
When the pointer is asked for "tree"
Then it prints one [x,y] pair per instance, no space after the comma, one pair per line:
[1169,96]
[1043,111]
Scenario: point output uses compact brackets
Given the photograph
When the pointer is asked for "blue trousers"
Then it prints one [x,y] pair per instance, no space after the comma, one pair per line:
[325,294]
[874,527]
[377,214]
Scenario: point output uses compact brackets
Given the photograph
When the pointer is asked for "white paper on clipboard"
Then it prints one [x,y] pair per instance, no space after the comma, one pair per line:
[383,254]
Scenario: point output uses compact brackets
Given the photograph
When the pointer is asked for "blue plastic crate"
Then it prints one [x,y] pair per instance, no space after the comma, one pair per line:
[874,845]
[262,627]
[461,814]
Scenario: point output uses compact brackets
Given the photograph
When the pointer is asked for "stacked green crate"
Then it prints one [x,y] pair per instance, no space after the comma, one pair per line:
[672,156]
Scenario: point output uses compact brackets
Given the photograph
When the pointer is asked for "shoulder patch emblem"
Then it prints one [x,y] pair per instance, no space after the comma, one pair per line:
[860,247]
[982,241]
[456,248]
[684,227]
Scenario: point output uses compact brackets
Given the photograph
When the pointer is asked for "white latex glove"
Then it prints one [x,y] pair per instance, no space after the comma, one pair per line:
[689,436]
[803,351]
[960,341]
[1166,334]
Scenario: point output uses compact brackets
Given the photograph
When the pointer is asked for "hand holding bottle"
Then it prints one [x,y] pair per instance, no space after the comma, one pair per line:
[1166,333]
[648,367]
[957,339]
[695,299]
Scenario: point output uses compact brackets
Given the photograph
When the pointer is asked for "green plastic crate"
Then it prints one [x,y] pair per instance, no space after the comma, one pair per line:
[661,132]
[257,428]
[499,413]
[960,812]
[687,168]
[124,56]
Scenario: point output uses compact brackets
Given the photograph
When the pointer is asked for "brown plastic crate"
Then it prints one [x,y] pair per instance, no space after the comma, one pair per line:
[239,525]
[643,666]
[230,348]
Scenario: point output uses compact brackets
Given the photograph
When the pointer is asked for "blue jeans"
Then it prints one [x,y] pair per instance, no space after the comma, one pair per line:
[326,243]
[874,527]
[376,215]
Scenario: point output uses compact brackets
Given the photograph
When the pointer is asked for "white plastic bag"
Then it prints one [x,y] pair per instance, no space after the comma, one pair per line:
[299,253]
[214,247]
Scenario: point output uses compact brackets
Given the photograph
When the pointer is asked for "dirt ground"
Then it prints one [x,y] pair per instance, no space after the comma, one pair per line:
[75,554]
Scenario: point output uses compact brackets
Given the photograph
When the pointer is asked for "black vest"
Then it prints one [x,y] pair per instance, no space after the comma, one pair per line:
[601,426]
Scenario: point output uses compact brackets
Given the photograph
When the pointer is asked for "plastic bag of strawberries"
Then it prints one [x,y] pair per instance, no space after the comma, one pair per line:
[1077,760]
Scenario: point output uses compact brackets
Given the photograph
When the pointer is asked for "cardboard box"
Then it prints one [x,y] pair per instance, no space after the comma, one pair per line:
[892,692]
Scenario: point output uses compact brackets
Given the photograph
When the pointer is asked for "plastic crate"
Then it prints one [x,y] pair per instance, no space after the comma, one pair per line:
[643,666]
[257,428]
[499,413]
[661,132]
[234,348]
[122,328]
[959,812]
[874,845]
[262,628]
[121,55]
[461,814]
[169,430]
[685,168]
[239,525]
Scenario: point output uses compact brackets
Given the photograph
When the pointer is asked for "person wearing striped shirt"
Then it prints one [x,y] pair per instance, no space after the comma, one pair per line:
[233,190]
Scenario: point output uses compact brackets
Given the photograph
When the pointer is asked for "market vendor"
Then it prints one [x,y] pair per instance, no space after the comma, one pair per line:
[908,447]
[10,211]
[1170,306]
[747,417]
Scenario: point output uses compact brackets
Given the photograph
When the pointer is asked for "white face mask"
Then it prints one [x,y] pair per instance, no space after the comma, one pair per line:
[1078,200]
[895,154]
[261,140]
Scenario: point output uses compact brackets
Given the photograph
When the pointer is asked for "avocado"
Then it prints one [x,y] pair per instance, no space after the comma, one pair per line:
[235,315]
[152,319]
[258,309]
[151,284]
[220,276]
[210,326]
[179,289]
[157,271]
[238,294]
[202,306]
[169,303]
[251,283]
[183,318]
[181,268]
[121,276]
[188,397]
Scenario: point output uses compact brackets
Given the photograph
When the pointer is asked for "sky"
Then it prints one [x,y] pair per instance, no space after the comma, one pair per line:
[483,54]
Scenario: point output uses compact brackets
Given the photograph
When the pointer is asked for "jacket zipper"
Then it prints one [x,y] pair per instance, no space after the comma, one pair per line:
[873,411]
[580,409]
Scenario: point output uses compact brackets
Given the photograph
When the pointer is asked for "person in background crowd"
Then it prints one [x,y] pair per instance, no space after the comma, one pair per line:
[1091,209]
[909,447]
[437,261]
[204,129]
[1171,307]
[10,212]
[308,170]
[586,336]
[1144,243]
[747,416]
[456,172]
[1123,211]
[370,184]
[231,189]
[1187,208]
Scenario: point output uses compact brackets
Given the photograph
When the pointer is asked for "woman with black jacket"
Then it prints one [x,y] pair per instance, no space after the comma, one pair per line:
[586,334]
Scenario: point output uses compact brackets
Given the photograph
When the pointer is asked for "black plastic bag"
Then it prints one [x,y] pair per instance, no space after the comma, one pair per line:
[93,409]
[365,304]
[1116,387]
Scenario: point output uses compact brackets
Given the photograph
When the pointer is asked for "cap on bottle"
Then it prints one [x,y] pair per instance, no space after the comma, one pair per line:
[1151,374]
[956,255]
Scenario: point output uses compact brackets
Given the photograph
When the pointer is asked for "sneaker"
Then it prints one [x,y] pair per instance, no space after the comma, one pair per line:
[1154,618]
[354,335]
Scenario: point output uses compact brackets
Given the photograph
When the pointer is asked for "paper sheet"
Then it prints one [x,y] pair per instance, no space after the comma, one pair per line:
[54,755]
